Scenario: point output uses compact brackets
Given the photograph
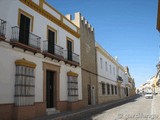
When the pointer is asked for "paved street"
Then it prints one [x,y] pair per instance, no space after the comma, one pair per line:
[137,109]
[133,108]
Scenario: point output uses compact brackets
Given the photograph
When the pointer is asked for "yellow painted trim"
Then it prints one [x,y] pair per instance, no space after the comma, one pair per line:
[62,16]
[26,63]
[50,17]
[53,30]
[119,82]
[128,85]
[20,11]
[70,73]
[69,39]
[41,3]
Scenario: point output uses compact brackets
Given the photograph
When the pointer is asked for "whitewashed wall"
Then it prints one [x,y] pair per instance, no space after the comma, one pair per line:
[39,24]
[7,74]
[64,82]
[102,71]
[7,65]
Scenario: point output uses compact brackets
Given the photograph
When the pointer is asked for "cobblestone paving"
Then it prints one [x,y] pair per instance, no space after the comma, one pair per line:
[138,109]
[134,108]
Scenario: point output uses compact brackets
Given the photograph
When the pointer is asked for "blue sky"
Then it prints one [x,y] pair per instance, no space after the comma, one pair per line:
[125,28]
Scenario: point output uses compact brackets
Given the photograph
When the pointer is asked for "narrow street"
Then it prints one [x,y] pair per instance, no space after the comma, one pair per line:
[135,109]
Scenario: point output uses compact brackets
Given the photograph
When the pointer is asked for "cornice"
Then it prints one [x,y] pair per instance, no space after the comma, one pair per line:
[49,16]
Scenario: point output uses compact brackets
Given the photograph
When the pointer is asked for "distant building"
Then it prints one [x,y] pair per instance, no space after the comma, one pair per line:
[130,83]
[157,79]
[113,83]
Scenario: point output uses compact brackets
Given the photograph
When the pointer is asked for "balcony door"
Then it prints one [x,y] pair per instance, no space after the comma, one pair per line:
[51,41]
[69,49]
[24,29]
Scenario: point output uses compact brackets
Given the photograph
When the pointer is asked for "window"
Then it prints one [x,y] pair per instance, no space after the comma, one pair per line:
[69,49]
[25,23]
[110,68]
[108,89]
[113,70]
[72,86]
[27,15]
[24,29]
[51,41]
[103,88]
[112,88]
[106,66]
[116,90]
[101,63]
[24,83]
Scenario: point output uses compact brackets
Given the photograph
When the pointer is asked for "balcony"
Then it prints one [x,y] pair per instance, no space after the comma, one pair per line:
[129,80]
[2,29]
[55,53]
[119,79]
[31,44]
[158,83]
[71,58]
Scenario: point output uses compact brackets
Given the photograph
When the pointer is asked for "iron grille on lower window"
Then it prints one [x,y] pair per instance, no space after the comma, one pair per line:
[116,90]
[72,88]
[24,86]
[108,89]
[2,27]
[112,89]
[103,88]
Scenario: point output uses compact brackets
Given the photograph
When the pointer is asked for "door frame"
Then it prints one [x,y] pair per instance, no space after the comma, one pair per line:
[56,70]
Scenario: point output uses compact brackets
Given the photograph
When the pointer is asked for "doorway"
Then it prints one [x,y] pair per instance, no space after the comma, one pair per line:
[50,89]
[89,94]
[93,96]
[126,91]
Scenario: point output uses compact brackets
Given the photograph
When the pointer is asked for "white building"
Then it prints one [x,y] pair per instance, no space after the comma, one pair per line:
[130,83]
[112,79]
[40,63]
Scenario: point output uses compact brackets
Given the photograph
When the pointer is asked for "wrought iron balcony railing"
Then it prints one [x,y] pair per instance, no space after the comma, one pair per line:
[56,50]
[119,78]
[2,27]
[34,41]
[71,56]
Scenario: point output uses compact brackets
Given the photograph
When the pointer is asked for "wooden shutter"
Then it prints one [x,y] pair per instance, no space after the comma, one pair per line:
[51,41]
[24,29]
[69,47]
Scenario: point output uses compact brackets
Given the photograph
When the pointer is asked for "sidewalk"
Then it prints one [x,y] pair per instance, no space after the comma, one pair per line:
[156,106]
[85,111]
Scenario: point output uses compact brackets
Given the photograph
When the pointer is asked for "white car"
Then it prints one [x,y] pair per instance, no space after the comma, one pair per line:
[149,95]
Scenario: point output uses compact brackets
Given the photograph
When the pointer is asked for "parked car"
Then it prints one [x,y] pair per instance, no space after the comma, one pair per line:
[149,95]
